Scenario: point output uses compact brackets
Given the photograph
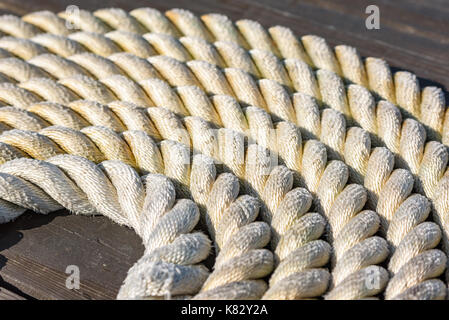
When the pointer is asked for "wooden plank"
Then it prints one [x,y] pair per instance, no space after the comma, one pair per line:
[5,294]
[35,251]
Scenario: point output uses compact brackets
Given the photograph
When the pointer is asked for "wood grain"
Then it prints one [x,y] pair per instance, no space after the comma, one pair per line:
[5,294]
[35,250]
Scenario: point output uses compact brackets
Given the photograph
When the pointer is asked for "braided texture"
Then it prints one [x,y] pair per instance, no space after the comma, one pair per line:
[114,189]
[189,98]
[182,35]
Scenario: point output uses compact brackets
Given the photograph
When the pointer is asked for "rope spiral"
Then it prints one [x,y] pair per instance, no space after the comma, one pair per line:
[173,251]
[354,132]
[129,32]
[121,60]
[157,219]
[125,157]
[270,189]
[66,138]
[408,142]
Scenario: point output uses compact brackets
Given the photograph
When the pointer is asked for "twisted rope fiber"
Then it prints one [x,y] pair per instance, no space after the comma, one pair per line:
[313,50]
[261,236]
[362,100]
[390,138]
[410,143]
[79,141]
[294,73]
[154,274]
[343,130]
[147,204]
[104,47]
[149,157]
[310,227]
[234,278]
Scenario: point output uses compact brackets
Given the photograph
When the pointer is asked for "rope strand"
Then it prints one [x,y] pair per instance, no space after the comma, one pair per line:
[114,189]
[288,99]
[402,88]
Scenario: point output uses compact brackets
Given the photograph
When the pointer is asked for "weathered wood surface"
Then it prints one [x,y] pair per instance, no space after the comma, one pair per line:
[35,250]
[5,294]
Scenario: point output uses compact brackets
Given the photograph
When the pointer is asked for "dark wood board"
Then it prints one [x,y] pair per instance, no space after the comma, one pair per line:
[35,250]
[5,294]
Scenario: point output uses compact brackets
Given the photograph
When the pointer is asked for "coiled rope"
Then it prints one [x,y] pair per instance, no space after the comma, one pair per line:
[332,98]
[126,30]
[271,189]
[156,274]
[115,190]
[67,138]
[352,135]
[312,175]
[408,140]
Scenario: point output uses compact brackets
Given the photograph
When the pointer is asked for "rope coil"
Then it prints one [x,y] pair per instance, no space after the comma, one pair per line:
[106,74]
[376,75]
[115,190]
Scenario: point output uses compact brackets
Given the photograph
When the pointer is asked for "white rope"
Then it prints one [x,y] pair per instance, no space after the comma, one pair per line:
[387,190]
[402,88]
[115,190]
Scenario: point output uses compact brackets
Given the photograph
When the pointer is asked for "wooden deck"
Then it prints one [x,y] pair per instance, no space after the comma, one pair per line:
[35,250]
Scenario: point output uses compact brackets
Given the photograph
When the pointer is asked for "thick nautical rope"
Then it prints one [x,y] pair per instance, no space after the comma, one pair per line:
[431,98]
[234,89]
[316,107]
[414,240]
[407,141]
[280,41]
[109,142]
[415,263]
[300,254]
[155,274]
[274,190]
[87,139]
[239,242]
[361,103]
[243,264]
[361,143]
[254,130]
[147,204]
[356,248]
